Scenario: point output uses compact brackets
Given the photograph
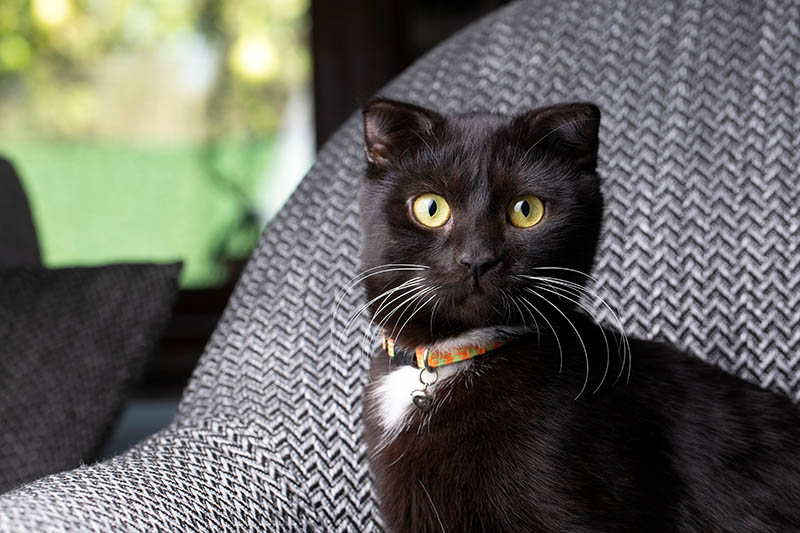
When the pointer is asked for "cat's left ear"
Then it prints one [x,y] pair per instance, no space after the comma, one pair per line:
[571,129]
[392,128]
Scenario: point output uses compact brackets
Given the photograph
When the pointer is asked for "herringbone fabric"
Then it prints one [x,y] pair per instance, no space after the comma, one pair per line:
[700,154]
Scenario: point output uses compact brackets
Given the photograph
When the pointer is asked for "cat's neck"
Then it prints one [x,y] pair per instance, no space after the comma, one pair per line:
[475,337]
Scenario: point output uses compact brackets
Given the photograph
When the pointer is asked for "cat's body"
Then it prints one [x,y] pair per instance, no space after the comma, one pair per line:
[563,428]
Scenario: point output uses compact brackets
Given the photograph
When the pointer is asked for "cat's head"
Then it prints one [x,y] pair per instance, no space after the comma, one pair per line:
[457,210]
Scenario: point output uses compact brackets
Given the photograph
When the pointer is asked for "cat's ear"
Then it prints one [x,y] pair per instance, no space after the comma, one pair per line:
[571,129]
[392,128]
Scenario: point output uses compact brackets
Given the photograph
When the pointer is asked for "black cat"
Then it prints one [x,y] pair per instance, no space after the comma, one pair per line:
[504,406]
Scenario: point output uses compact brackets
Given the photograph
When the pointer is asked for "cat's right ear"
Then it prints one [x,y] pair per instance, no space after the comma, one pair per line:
[391,128]
[571,129]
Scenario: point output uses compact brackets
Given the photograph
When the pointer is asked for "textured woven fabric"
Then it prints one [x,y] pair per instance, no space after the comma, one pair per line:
[700,153]
[71,341]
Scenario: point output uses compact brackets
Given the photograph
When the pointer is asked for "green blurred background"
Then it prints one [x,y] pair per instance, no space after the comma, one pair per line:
[155,129]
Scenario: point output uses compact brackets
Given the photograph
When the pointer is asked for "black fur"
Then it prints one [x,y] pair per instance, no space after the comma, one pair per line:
[508,447]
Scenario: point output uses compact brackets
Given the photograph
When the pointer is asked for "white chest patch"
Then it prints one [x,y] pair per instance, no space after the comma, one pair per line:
[393,391]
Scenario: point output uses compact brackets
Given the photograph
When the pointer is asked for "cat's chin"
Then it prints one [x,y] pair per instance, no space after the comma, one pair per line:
[471,310]
[477,300]
[469,296]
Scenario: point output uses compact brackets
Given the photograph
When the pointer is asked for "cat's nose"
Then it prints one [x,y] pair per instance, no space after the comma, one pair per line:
[478,264]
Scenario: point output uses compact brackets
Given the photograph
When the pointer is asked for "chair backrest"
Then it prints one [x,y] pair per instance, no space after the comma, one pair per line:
[700,154]
[18,243]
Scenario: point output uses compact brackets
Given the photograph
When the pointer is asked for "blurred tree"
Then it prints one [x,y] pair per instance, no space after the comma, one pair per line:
[51,52]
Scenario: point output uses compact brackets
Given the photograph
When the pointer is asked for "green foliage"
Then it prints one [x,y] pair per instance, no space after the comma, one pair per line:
[52,53]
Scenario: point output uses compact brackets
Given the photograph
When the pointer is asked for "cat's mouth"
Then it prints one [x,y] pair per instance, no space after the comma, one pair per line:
[471,292]
[477,285]
[469,309]
[477,298]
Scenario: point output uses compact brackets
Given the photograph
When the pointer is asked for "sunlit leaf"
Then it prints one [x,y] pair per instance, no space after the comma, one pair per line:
[15,53]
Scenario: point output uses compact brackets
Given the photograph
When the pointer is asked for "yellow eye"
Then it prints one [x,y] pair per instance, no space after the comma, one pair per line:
[525,211]
[431,210]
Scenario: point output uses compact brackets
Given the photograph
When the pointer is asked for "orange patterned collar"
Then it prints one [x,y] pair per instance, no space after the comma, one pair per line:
[425,357]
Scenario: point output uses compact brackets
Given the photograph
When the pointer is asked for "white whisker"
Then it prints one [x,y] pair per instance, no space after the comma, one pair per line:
[560,293]
[381,269]
[369,336]
[568,270]
[385,294]
[522,316]
[579,291]
[555,335]
[577,333]
[410,297]
[535,322]
[417,310]
[433,313]
[623,344]
[374,271]
[418,296]
[430,500]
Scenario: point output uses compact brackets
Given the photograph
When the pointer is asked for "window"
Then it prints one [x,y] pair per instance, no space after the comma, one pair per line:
[155,130]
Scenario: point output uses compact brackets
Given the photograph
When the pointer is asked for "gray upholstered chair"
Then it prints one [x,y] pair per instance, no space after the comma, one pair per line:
[700,151]
[19,245]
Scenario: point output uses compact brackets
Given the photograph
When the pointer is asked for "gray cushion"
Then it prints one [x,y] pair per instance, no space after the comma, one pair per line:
[19,245]
[700,247]
[71,342]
